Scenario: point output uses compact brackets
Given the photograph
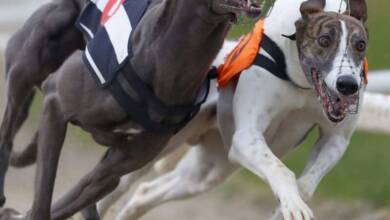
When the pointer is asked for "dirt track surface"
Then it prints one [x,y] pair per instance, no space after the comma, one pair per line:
[234,201]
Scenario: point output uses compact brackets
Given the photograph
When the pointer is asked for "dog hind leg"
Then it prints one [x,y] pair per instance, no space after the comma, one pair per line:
[204,167]
[16,97]
[35,51]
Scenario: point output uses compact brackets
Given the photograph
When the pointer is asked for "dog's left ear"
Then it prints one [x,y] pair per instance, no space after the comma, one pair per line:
[358,10]
[311,7]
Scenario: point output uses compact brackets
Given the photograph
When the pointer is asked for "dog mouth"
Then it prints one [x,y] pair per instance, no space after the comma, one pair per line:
[335,106]
[246,7]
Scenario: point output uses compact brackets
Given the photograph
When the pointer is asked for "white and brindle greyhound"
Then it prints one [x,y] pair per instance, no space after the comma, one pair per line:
[262,117]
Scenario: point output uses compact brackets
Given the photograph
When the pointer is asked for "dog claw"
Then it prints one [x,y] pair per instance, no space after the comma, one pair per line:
[294,209]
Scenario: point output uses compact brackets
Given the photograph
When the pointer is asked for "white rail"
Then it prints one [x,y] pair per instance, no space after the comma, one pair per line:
[379,81]
[375,114]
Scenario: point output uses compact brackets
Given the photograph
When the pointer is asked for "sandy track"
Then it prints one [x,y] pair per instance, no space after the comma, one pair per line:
[233,201]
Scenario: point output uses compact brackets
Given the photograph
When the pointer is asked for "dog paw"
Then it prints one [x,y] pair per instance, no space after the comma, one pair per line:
[10,214]
[295,209]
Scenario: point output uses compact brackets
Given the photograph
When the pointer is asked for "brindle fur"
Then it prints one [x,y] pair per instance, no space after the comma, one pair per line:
[313,25]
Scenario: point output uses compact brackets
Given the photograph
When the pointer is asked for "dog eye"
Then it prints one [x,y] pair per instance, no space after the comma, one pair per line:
[360,46]
[324,41]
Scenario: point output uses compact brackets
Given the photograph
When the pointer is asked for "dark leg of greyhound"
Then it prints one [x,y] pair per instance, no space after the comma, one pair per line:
[53,127]
[128,154]
[36,50]
[106,175]
[103,179]
[16,95]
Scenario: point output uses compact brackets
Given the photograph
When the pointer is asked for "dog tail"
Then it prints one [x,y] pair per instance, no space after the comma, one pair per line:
[26,157]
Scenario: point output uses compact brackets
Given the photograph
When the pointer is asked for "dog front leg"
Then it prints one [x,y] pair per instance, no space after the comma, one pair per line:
[52,133]
[326,153]
[250,150]
[105,177]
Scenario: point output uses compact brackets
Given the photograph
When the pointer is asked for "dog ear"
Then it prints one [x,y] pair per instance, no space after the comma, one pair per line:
[358,10]
[311,7]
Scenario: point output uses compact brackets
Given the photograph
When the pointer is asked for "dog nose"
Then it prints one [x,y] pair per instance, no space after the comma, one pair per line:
[347,85]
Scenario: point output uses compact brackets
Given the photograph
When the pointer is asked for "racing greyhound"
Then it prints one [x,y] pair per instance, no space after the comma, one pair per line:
[264,114]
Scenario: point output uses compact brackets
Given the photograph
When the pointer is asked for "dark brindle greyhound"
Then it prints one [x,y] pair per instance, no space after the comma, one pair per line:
[173,47]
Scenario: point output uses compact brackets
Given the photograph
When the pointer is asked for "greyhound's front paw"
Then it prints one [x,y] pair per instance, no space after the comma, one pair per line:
[10,214]
[294,209]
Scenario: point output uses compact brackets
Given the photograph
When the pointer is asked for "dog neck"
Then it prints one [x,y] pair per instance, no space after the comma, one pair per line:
[174,45]
[276,26]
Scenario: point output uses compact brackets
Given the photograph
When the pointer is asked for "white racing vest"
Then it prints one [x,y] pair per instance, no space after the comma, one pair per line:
[107,25]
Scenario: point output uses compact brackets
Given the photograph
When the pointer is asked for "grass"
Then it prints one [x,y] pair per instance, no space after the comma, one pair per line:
[364,172]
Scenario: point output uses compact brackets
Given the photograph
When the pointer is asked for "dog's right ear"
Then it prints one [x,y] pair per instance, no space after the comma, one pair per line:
[311,7]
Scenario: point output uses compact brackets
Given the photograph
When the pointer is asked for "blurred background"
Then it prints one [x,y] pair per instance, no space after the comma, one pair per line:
[358,188]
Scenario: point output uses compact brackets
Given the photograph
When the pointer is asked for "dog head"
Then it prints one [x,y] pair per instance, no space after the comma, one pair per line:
[332,49]
[235,7]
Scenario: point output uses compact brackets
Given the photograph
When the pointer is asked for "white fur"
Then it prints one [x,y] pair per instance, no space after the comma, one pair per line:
[261,120]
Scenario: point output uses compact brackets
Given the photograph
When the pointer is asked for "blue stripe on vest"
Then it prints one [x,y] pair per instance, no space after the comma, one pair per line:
[135,9]
[103,56]
[90,18]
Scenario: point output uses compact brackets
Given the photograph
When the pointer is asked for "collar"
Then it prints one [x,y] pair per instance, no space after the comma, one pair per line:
[292,37]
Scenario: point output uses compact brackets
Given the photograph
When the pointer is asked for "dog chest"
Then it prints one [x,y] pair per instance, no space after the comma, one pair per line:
[288,130]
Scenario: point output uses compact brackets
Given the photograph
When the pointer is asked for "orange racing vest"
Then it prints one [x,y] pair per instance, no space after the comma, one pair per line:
[242,56]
